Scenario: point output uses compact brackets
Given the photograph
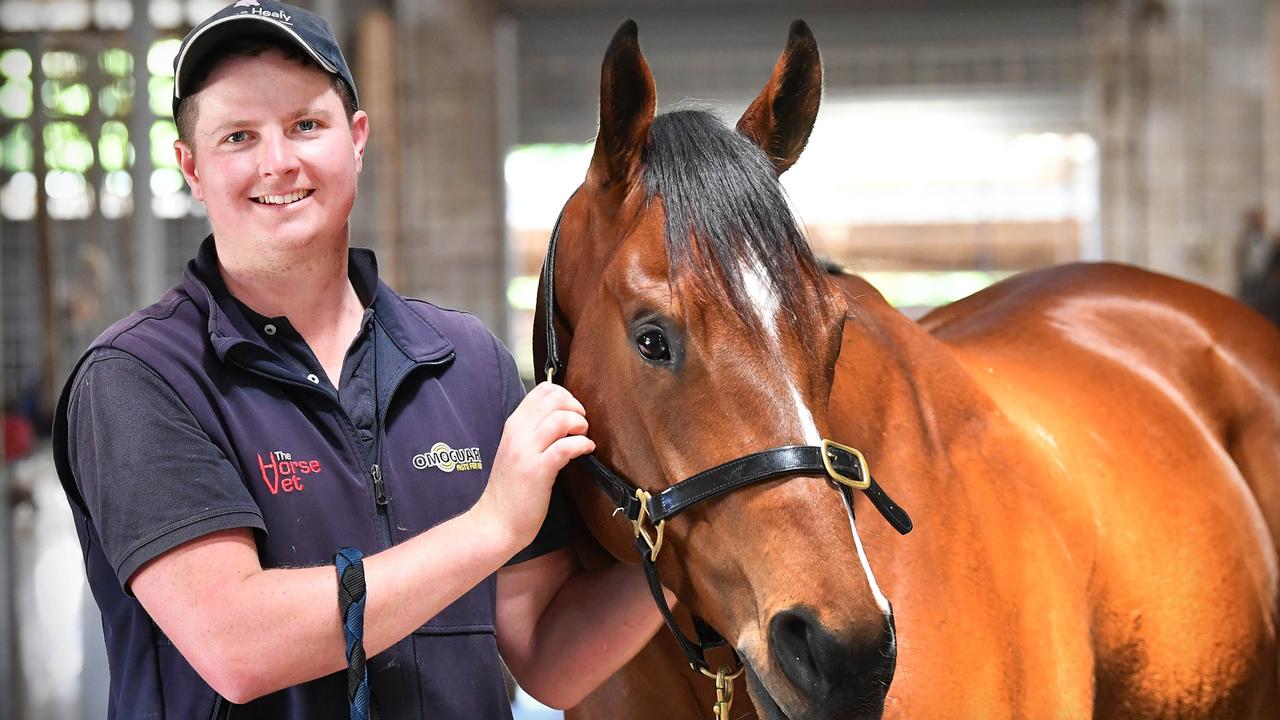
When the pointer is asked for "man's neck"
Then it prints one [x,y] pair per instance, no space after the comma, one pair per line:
[314,292]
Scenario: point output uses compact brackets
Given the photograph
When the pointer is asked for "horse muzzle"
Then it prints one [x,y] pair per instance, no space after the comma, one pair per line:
[815,674]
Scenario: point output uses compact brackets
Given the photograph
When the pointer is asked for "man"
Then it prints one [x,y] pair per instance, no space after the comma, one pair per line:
[281,403]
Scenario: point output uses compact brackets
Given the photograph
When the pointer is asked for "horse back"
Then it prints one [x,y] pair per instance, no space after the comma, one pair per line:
[1098,328]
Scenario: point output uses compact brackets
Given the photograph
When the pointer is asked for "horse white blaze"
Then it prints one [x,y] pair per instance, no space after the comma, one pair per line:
[765,302]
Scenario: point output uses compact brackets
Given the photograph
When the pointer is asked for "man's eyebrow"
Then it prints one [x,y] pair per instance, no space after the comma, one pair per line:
[317,112]
[224,127]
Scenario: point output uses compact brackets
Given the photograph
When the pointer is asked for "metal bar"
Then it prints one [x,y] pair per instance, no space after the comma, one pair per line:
[8,644]
[148,232]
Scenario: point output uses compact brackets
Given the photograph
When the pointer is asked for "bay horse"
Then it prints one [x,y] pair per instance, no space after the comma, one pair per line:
[1090,454]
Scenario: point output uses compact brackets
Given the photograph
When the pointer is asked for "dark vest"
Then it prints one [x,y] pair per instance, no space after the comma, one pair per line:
[440,408]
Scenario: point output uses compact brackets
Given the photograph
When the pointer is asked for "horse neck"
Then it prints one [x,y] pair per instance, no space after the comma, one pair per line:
[905,401]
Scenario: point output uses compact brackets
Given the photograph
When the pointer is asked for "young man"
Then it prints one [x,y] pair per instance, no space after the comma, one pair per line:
[281,403]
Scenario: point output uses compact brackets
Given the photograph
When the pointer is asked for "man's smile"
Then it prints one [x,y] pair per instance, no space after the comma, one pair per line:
[286,199]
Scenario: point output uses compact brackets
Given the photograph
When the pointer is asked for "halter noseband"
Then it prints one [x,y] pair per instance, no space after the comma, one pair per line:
[844,466]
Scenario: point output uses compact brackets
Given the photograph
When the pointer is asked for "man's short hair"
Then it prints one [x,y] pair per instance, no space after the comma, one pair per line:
[248,46]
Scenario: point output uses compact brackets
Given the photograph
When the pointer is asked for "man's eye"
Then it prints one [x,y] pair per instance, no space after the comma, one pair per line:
[307,125]
[238,137]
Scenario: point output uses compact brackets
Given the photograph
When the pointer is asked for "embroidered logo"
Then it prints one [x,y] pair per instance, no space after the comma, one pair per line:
[256,9]
[281,473]
[447,459]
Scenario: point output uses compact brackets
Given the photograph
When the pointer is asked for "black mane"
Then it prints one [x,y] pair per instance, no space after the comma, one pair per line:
[724,206]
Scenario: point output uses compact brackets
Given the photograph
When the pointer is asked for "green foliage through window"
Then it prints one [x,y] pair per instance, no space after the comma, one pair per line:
[15,64]
[114,150]
[18,143]
[160,90]
[15,98]
[116,99]
[66,147]
[116,62]
[66,98]
[167,181]
[163,133]
[68,90]
[62,64]
[160,57]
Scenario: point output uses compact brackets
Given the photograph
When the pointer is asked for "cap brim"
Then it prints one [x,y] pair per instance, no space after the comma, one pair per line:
[212,36]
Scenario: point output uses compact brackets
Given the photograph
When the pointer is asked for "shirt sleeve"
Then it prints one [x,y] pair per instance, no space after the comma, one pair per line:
[558,527]
[150,477]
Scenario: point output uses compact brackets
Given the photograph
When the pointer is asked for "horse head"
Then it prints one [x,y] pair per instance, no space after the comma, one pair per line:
[697,328]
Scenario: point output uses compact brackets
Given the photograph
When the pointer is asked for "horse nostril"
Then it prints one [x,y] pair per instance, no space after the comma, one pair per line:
[794,634]
[819,663]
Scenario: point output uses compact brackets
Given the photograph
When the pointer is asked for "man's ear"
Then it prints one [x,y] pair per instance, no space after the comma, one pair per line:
[359,136]
[187,163]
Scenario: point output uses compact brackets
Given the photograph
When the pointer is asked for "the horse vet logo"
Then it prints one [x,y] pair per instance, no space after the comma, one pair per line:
[282,473]
[447,459]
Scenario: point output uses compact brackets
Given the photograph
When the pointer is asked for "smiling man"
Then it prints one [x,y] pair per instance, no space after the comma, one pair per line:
[281,411]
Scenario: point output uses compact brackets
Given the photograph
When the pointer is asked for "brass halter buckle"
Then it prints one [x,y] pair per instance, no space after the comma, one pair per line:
[653,541]
[840,477]
[724,689]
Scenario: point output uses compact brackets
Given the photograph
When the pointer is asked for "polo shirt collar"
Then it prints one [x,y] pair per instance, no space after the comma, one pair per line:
[230,323]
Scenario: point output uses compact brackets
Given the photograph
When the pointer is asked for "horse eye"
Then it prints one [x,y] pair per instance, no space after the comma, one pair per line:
[653,345]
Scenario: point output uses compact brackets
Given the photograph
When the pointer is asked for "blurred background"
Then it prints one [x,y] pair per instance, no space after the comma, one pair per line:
[959,141]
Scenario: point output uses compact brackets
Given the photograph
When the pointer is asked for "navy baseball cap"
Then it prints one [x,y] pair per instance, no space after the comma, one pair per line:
[294,25]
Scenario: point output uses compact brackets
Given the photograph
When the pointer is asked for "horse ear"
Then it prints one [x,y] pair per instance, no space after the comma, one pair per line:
[780,119]
[627,100]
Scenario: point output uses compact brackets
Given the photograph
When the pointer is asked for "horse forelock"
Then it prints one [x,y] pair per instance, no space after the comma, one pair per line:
[728,226]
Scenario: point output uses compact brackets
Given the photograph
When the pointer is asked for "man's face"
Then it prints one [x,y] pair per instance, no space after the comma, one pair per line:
[273,158]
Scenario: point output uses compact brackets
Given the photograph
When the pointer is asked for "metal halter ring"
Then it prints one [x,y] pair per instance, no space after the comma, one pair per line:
[840,477]
[654,542]
[724,689]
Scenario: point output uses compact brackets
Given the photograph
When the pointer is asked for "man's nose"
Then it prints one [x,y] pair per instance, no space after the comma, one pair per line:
[277,156]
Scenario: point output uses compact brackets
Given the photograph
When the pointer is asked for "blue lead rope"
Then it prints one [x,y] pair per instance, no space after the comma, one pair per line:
[351,599]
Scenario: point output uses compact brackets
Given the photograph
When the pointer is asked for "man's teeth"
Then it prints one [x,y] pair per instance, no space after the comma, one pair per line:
[283,199]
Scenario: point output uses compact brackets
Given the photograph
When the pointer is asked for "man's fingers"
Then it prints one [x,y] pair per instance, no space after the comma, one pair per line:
[559,424]
[568,448]
[544,399]
[557,398]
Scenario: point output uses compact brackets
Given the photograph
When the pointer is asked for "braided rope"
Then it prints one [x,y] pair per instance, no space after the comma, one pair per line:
[351,600]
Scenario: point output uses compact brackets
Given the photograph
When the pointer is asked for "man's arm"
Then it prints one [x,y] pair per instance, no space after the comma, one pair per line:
[250,631]
[563,630]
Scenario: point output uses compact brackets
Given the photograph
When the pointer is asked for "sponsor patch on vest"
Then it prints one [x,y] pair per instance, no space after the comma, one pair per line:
[447,459]
[281,473]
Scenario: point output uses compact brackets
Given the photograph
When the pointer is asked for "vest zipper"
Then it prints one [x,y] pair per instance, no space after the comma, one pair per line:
[379,487]
[380,498]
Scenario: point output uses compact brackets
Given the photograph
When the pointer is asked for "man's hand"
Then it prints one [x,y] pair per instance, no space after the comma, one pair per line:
[541,436]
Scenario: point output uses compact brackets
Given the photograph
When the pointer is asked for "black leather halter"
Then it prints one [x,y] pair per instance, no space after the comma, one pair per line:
[844,467]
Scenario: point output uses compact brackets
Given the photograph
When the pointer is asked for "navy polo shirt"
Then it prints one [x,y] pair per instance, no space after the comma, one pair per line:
[199,414]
